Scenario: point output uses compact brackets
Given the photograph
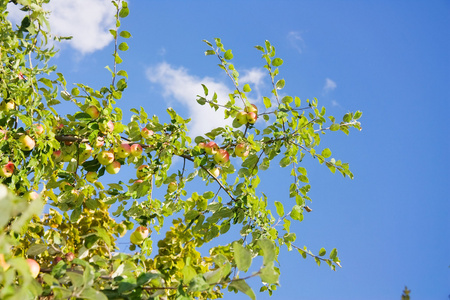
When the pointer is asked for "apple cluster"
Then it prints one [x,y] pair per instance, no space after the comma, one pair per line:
[221,156]
[248,116]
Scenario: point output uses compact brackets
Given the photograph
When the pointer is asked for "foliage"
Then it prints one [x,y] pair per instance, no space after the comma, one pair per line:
[66,157]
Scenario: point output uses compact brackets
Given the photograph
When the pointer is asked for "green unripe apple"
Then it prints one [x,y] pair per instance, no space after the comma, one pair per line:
[113,168]
[26,143]
[106,157]
[91,177]
[143,172]
[93,111]
[172,187]
[241,117]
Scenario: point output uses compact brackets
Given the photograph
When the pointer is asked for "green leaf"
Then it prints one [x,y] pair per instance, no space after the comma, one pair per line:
[242,256]
[285,161]
[322,252]
[243,287]
[210,52]
[297,101]
[280,208]
[287,99]
[124,12]
[92,294]
[268,249]
[36,249]
[280,84]
[326,153]
[334,127]
[269,274]
[198,283]
[228,55]
[333,254]
[276,62]
[247,88]
[357,115]
[297,213]
[123,46]
[125,34]
[267,102]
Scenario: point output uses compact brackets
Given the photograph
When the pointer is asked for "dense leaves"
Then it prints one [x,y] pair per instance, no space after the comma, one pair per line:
[66,158]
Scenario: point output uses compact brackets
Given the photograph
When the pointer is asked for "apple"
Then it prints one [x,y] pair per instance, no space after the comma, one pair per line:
[99,142]
[202,145]
[241,150]
[241,117]
[221,156]
[110,126]
[215,172]
[211,148]
[91,177]
[142,171]
[57,154]
[124,150]
[105,157]
[113,168]
[93,111]
[251,108]
[252,117]
[3,263]
[38,129]
[34,267]
[7,105]
[7,170]
[146,133]
[31,195]
[57,260]
[172,187]
[85,154]
[138,181]
[136,150]
[26,142]
[69,256]
[139,235]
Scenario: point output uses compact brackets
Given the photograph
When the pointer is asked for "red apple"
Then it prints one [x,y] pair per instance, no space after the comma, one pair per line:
[93,111]
[91,177]
[241,150]
[136,150]
[38,129]
[7,170]
[143,171]
[113,168]
[221,156]
[211,148]
[172,187]
[105,157]
[146,133]
[202,145]
[124,150]
[110,126]
[34,267]
[251,108]
[241,117]
[57,154]
[99,142]
[26,142]
[252,117]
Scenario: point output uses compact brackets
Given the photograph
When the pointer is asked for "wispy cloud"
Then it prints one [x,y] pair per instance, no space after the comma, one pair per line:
[329,85]
[87,22]
[296,40]
[178,86]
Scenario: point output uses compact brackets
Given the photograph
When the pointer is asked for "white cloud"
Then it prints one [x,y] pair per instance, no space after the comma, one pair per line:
[296,40]
[179,86]
[254,77]
[329,85]
[88,22]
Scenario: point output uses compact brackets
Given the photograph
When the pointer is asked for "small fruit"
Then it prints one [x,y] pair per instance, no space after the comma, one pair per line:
[69,256]
[211,148]
[34,267]
[139,235]
[7,105]
[91,177]
[38,129]
[105,157]
[143,171]
[93,111]
[136,150]
[222,156]
[85,154]
[57,259]
[202,145]
[146,133]
[7,170]
[31,195]
[241,117]
[252,117]
[57,154]
[26,143]
[241,150]
[99,142]
[172,187]
[215,172]
[110,126]
[113,168]
[124,150]
[251,108]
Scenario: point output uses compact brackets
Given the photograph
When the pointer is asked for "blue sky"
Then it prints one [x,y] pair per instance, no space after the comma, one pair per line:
[389,59]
